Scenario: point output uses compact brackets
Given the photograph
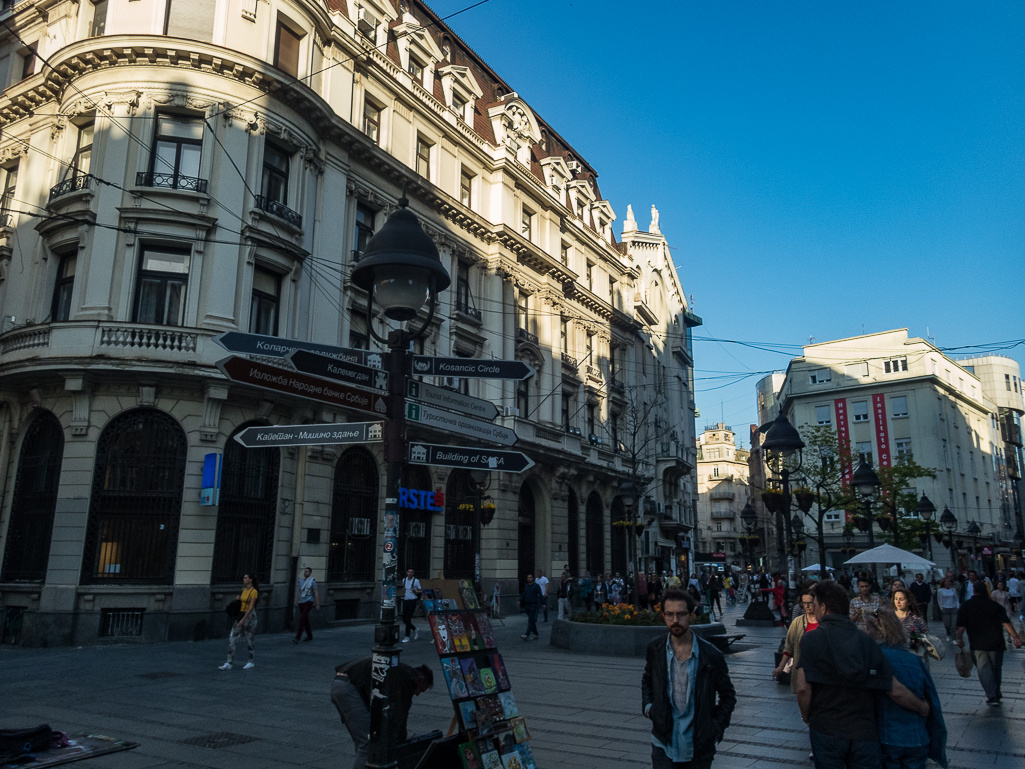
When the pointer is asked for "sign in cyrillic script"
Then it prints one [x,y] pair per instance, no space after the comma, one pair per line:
[450,399]
[457,423]
[276,347]
[473,458]
[311,435]
[425,365]
[339,370]
[283,380]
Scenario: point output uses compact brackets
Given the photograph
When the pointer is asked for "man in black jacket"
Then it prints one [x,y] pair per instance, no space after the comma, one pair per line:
[350,694]
[683,675]
[985,621]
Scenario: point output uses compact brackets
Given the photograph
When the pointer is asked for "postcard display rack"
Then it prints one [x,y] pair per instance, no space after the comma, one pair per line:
[496,735]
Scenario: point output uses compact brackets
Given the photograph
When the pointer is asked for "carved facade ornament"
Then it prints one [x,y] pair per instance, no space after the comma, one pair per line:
[59,124]
[313,159]
[175,98]
[13,151]
[368,194]
[250,120]
[129,98]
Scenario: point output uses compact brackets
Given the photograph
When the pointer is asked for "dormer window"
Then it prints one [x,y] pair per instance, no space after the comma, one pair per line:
[416,69]
[459,105]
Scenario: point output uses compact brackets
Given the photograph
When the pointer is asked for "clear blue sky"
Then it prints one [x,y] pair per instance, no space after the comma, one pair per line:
[821,169]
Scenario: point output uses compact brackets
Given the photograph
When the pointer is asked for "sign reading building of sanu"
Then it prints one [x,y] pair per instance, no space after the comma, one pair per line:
[472,458]
[311,435]
[283,380]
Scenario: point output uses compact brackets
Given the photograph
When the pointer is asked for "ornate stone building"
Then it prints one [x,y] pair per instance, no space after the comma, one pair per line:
[723,491]
[172,170]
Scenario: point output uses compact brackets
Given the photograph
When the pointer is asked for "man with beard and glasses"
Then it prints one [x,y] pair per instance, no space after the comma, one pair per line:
[684,676]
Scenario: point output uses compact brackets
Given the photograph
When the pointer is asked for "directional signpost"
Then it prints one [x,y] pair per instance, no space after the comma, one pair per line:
[282,380]
[276,347]
[450,399]
[427,365]
[472,458]
[311,435]
[339,370]
[451,422]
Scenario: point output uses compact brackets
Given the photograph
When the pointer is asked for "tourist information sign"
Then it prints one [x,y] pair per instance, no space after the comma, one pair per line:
[426,365]
[450,399]
[276,347]
[472,458]
[311,435]
[339,370]
[450,422]
[283,380]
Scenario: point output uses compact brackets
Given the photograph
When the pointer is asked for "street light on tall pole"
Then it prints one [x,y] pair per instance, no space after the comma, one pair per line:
[949,523]
[782,444]
[401,270]
[867,483]
[926,510]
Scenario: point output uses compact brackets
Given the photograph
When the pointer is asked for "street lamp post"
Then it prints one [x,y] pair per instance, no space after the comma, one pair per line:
[749,519]
[974,531]
[867,483]
[782,442]
[949,523]
[401,270]
[926,510]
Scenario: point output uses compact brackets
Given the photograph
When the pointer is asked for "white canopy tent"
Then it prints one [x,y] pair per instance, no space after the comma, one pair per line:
[891,554]
[817,567]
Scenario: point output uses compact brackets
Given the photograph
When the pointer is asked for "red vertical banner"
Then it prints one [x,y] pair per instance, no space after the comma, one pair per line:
[843,437]
[882,432]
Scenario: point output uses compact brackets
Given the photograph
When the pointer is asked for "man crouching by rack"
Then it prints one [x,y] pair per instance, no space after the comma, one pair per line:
[350,694]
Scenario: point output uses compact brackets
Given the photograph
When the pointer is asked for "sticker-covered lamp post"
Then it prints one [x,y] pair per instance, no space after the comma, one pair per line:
[401,270]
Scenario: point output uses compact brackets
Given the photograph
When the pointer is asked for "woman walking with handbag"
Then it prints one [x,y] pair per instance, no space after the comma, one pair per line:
[246,625]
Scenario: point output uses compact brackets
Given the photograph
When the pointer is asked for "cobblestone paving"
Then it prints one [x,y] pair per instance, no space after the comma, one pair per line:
[583,712]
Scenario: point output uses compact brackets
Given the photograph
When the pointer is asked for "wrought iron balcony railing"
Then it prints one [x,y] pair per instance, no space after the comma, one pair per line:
[71,184]
[170,181]
[463,305]
[280,210]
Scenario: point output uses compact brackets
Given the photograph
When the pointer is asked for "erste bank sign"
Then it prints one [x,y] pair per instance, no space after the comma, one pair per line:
[416,499]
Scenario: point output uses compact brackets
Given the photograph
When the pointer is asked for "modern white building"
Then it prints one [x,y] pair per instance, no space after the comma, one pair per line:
[889,395]
[171,170]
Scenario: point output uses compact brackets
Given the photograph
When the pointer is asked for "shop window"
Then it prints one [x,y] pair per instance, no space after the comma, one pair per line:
[60,309]
[286,50]
[244,541]
[266,302]
[132,534]
[573,534]
[594,535]
[35,500]
[460,517]
[354,512]
[163,277]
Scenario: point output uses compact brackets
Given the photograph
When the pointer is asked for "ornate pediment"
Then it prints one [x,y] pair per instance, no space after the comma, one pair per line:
[515,127]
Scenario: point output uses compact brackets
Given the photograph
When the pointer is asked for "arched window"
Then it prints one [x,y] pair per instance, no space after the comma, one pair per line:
[247,513]
[595,533]
[34,502]
[460,511]
[415,537]
[617,540]
[573,534]
[136,501]
[525,544]
[354,513]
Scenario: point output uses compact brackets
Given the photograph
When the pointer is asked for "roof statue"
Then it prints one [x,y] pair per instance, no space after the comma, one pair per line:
[654,221]
[629,224]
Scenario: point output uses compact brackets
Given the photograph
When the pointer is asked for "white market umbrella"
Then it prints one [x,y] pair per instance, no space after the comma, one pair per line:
[891,554]
[816,567]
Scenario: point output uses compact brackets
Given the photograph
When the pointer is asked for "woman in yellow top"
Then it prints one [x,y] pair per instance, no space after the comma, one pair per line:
[247,624]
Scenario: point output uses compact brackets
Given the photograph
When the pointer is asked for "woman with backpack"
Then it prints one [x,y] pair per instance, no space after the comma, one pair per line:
[246,625]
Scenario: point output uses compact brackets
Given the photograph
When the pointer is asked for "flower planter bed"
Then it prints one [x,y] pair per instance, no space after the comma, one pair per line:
[616,640]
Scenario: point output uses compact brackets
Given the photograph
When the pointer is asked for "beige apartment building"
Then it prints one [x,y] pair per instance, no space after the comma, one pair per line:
[723,490]
[889,395]
[172,170]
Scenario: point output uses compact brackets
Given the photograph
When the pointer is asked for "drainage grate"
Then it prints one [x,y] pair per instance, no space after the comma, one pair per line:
[159,674]
[121,623]
[219,740]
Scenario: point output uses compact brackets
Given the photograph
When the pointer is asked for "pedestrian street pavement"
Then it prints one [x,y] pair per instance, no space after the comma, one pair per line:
[583,712]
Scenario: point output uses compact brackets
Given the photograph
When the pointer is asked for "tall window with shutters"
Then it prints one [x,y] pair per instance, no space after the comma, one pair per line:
[286,50]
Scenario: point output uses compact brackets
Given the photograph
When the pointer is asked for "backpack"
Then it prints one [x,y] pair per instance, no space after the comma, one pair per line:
[17,742]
